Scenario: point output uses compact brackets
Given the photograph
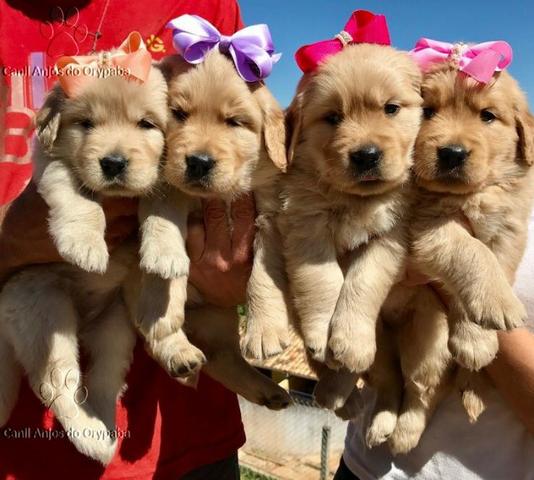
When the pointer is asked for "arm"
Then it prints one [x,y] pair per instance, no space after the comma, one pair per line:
[512,372]
[446,251]
[163,231]
[267,315]
[373,270]
[315,277]
[76,222]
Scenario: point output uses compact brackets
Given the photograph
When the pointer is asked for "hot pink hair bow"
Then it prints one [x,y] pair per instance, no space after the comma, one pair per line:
[362,27]
[131,59]
[478,61]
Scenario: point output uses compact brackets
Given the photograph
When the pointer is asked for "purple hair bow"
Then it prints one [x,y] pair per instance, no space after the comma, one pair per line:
[251,48]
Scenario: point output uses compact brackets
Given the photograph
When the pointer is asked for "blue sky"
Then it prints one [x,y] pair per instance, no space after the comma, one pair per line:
[296,22]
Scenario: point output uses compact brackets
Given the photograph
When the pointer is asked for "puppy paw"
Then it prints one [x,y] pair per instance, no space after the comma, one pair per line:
[83,248]
[92,438]
[355,352]
[498,309]
[472,346]
[97,446]
[186,361]
[315,342]
[353,407]
[407,433]
[166,261]
[333,389]
[263,342]
[381,428]
[276,398]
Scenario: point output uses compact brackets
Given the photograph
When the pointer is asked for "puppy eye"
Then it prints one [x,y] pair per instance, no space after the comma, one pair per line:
[233,122]
[145,124]
[180,114]
[86,124]
[428,112]
[391,108]
[333,118]
[486,116]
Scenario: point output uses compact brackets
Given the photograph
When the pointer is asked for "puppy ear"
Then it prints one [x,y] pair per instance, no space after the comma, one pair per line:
[172,66]
[274,130]
[524,122]
[293,125]
[49,116]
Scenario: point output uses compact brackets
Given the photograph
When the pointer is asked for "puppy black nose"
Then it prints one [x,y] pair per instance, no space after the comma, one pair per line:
[113,165]
[451,156]
[366,158]
[199,165]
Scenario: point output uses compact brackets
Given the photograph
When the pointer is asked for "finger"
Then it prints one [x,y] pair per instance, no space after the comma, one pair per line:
[218,242]
[196,235]
[243,211]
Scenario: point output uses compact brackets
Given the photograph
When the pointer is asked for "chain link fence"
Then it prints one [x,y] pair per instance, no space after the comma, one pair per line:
[302,442]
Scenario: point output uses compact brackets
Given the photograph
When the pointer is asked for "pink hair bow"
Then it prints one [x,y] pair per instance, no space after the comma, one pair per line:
[131,59]
[478,61]
[362,27]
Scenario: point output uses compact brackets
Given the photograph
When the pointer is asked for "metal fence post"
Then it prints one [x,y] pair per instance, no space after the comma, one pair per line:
[325,451]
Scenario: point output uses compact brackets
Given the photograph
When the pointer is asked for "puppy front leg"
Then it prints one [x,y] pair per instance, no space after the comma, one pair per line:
[315,279]
[445,251]
[76,222]
[373,270]
[163,223]
[215,331]
[267,317]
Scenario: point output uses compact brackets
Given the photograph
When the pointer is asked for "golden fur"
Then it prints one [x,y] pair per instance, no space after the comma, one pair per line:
[468,232]
[241,128]
[491,196]
[344,231]
[110,116]
[48,312]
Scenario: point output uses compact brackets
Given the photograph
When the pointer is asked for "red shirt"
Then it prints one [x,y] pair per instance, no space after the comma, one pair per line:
[168,429]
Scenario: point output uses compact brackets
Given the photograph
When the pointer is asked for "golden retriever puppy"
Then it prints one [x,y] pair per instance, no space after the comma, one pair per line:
[93,145]
[346,198]
[472,166]
[472,161]
[226,138]
[106,140]
[96,155]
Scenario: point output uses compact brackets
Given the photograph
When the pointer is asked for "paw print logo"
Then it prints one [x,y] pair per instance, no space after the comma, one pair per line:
[155,44]
[64,32]
[65,385]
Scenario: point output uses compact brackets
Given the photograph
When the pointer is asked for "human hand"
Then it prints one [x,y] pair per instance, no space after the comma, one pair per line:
[221,261]
[24,238]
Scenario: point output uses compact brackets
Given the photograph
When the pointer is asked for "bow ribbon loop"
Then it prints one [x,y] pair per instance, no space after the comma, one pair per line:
[479,61]
[362,27]
[131,59]
[251,48]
